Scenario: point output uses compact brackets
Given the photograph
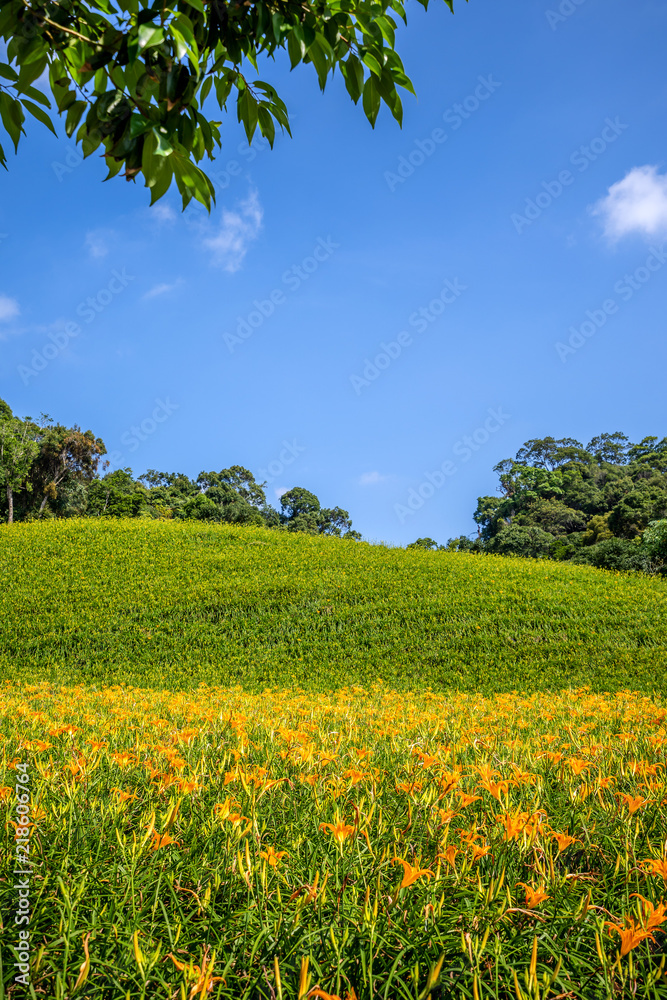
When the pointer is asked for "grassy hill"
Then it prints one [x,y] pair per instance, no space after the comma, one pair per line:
[169,605]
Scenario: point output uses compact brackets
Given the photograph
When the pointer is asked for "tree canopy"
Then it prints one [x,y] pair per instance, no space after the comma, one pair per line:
[604,504]
[48,470]
[133,77]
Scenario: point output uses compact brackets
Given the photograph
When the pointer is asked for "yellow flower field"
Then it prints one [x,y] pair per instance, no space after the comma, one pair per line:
[358,844]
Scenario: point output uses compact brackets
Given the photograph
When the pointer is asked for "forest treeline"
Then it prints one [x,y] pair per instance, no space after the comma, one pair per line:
[604,504]
[49,470]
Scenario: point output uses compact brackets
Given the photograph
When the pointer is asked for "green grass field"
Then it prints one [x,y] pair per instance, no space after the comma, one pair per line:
[164,604]
[243,765]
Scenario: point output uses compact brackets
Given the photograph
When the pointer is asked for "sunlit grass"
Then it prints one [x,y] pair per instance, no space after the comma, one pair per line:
[163,604]
[368,844]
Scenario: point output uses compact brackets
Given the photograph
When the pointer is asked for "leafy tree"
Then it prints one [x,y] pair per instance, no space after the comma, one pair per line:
[547,453]
[633,513]
[239,479]
[64,454]
[552,515]
[117,495]
[612,448]
[516,540]
[424,543]
[655,538]
[594,504]
[618,554]
[598,529]
[132,79]
[300,510]
[18,448]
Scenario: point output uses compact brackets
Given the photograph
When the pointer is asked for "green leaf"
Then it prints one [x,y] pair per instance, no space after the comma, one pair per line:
[223,85]
[296,47]
[150,35]
[74,116]
[247,112]
[8,73]
[353,74]
[266,125]
[159,180]
[205,89]
[40,114]
[387,28]
[37,95]
[162,147]
[372,63]
[371,101]
[12,116]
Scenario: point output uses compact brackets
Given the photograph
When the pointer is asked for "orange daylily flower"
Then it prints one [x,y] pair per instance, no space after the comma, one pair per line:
[411,872]
[123,758]
[355,776]
[514,824]
[122,796]
[448,781]
[658,867]
[496,788]
[652,915]
[563,840]
[94,744]
[409,788]
[5,792]
[467,800]
[479,851]
[161,840]
[187,787]
[486,772]
[272,856]
[204,975]
[317,992]
[449,855]
[534,896]
[577,765]
[631,935]
[340,831]
[633,802]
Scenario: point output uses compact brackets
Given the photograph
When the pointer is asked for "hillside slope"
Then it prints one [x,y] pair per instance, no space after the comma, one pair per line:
[164,604]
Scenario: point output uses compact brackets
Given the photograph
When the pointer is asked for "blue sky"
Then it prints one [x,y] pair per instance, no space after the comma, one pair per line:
[515,294]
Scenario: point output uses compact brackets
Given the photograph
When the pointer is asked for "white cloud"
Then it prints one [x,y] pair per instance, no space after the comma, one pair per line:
[97,242]
[636,204]
[162,289]
[9,309]
[279,490]
[372,479]
[237,231]
[163,212]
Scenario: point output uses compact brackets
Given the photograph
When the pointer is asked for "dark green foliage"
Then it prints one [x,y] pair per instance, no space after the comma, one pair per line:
[591,505]
[132,80]
[59,477]
[517,540]
[424,543]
